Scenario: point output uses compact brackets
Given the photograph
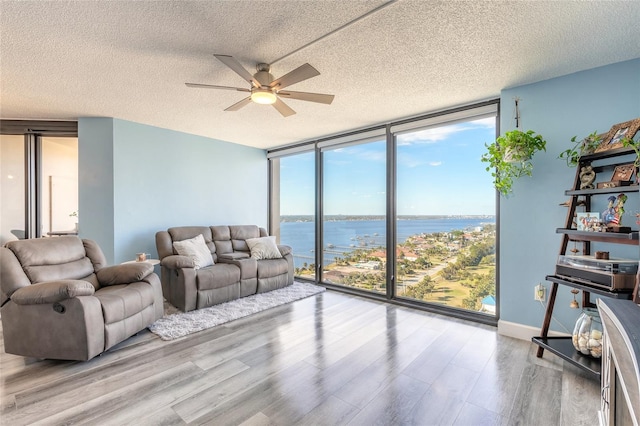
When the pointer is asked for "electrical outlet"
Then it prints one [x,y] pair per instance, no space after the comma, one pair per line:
[539,292]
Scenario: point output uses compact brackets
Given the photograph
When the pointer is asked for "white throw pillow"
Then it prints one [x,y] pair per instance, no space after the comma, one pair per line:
[196,249]
[264,248]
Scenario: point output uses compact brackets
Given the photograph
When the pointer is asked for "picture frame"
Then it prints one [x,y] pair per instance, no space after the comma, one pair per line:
[613,139]
[623,172]
[587,221]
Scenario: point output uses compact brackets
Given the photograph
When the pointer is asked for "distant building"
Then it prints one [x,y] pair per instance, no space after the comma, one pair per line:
[488,305]
[371,264]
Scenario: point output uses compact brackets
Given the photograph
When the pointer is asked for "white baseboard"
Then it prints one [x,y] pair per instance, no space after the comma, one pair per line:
[521,331]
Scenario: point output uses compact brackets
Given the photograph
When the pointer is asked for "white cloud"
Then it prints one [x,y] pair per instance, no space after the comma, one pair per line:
[431,135]
[437,134]
[435,163]
[488,122]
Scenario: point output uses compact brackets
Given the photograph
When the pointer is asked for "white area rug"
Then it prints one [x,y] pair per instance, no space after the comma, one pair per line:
[179,324]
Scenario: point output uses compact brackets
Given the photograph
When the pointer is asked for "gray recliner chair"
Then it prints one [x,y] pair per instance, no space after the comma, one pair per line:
[61,301]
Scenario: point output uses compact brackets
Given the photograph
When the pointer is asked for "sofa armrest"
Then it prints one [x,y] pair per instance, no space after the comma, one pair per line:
[124,274]
[248,266]
[236,255]
[51,292]
[284,250]
[176,262]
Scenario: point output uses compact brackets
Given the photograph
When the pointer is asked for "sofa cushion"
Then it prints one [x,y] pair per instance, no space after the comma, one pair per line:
[47,251]
[240,233]
[50,259]
[217,276]
[272,268]
[264,248]
[196,249]
[122,301]
[221,233]
[244,232]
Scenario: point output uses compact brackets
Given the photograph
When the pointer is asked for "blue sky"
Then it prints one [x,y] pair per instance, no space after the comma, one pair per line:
[439,172]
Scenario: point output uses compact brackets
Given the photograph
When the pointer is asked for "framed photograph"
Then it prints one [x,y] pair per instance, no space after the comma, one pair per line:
[613,139]
[587,221]
[623,172]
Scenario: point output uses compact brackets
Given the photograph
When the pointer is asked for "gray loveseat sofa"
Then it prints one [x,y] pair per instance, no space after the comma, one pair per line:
[234,272]
[60,300]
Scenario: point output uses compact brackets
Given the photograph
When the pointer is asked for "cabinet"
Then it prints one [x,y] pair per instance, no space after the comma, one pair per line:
[604,164]
[620,391]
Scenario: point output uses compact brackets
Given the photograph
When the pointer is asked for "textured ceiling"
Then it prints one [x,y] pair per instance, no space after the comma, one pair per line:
[130,59]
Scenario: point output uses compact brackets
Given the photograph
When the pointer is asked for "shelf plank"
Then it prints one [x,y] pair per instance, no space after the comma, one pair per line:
[623,294]
[600,191]
[630,238]
[606,154]
[562,347]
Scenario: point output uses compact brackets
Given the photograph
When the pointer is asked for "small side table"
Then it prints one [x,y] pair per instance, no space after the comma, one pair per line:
[153,262]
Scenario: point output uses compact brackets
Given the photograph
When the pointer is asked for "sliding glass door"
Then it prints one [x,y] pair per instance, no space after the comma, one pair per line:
[59,193]
[39,168]
[12,189]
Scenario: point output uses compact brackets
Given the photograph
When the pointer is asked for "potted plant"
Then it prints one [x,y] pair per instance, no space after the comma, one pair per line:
[510,156]
[586,146]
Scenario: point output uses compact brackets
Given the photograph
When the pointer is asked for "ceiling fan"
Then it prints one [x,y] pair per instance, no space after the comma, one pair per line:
[267,90]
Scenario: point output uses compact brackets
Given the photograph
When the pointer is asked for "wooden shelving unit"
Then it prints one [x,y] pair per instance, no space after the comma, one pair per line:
[563,346]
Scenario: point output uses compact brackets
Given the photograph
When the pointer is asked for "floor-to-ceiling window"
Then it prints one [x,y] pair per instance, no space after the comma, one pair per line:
[354,214]
[293,208]
[406,211]
[445,227]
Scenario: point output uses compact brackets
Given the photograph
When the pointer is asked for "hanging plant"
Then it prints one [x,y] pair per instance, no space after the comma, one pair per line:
[510,156]
[586,146]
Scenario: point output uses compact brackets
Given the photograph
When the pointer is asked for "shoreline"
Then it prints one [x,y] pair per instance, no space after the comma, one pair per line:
[372,218]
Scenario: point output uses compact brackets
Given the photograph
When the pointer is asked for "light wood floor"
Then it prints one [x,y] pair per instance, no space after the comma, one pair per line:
[330,359]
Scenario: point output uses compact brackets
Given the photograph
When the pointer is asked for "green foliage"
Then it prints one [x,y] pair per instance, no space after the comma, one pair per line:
[586,146]
[635,145]
[509,157]
[423,262]
[422,289]
[484,285]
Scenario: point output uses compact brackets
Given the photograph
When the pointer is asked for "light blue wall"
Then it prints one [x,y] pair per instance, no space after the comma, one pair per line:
[559,109]
[95,178]
[163,178]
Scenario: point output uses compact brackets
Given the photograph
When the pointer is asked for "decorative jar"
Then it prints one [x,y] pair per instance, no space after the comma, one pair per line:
[587,334]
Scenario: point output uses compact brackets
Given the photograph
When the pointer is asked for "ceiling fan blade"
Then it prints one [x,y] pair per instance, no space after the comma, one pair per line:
[240,104]
[301,73]
[283,108]
[232,63]
[211,86]
[307,96]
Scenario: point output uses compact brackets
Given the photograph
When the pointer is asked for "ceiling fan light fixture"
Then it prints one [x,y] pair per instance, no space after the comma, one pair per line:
[263,96]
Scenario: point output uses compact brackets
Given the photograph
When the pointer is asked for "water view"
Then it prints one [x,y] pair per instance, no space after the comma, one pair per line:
[440,259]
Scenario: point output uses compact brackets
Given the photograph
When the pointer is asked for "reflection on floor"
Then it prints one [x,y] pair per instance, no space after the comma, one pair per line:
[326,360]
